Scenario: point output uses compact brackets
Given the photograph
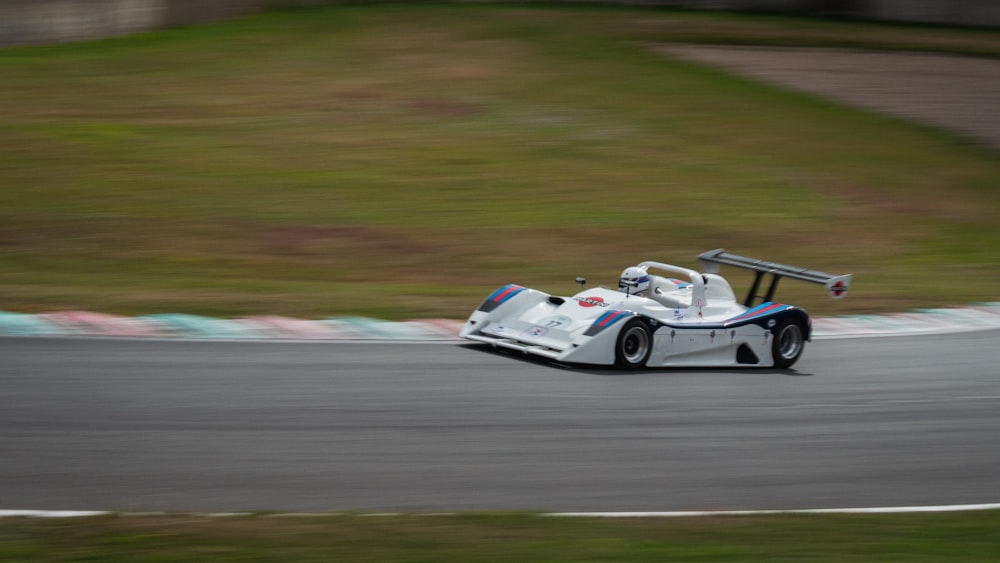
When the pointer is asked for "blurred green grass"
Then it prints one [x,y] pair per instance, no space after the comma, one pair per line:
[968,536]
[401,161]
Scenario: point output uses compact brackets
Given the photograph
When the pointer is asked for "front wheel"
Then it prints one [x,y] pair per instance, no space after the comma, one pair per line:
[634,345]
[788,344]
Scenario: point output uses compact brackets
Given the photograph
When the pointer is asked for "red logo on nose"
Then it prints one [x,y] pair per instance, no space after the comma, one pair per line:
[591,302]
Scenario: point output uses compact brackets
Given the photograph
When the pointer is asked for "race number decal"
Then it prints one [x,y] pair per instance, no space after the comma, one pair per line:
[556,321]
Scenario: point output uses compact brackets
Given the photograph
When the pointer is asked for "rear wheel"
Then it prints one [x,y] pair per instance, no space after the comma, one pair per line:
[634,345]
[788,344]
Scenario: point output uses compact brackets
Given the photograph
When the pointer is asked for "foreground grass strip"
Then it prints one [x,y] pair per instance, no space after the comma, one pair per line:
[402,161]
[969,536]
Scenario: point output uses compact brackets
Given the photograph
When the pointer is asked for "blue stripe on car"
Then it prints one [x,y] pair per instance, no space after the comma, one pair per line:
[606,320]
[501,296]
[763,310]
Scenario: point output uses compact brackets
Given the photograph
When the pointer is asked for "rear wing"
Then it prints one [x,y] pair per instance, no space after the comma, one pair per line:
[836,286]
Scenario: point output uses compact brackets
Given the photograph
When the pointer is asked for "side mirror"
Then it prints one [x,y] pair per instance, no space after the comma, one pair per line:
[581,281]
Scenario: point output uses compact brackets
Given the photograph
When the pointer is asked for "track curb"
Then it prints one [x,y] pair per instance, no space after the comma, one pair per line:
[985,316]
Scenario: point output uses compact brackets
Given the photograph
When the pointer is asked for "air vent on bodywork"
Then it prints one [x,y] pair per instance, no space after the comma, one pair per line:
[556,300]
[744,355]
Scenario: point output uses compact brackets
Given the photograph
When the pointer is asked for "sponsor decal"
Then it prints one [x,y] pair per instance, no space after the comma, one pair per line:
[535,332]
[838,290]
[591,301]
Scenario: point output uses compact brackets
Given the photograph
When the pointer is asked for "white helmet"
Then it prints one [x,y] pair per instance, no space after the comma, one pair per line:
[634,281]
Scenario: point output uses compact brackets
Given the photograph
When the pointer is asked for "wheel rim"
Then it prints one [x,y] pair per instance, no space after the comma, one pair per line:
[790,344]
[635,344]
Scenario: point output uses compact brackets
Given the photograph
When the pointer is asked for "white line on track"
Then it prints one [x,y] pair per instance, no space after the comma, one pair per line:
[50,513]
[674,514]
[872,510]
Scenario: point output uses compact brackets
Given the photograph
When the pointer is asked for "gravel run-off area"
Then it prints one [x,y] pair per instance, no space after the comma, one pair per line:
[960,94]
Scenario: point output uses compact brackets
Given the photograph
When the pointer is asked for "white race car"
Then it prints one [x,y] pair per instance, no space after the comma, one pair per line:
[656,320]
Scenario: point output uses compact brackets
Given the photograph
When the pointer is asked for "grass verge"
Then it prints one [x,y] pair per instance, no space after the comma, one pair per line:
[401,161]
[968,536]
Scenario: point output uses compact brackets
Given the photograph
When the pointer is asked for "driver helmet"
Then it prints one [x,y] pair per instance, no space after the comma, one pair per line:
[634,281]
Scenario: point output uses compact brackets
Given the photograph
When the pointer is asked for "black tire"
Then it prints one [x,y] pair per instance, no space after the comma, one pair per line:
[788,343]
[634,345]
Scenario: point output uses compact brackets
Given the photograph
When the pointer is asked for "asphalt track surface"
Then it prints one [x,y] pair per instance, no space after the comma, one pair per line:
[135,425]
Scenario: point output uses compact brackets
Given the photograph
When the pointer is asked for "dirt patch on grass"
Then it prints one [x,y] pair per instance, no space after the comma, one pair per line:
[952,92]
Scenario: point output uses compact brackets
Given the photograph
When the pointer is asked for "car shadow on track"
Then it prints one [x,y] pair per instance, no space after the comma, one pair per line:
[612,371]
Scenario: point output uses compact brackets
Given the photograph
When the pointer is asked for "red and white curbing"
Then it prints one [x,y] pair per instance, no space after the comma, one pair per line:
[84,323]
[99,324]
[928,321]
[270,327]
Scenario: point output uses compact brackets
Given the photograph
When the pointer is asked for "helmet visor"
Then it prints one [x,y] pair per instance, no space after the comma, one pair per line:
[632,282]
